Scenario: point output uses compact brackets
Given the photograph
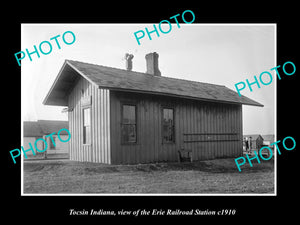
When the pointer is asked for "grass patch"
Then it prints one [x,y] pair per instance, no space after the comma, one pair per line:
[206,177]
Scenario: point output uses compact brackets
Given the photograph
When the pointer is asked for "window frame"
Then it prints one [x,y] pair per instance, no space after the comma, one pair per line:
[163,141]
[84,141]
[123,142]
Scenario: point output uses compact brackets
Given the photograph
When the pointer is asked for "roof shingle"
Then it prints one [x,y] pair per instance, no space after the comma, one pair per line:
[120,79]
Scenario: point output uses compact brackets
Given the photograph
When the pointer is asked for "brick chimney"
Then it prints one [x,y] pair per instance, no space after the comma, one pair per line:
[128,58]
[152,64]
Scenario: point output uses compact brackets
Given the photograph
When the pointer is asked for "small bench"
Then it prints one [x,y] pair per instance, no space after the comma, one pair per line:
[185,155]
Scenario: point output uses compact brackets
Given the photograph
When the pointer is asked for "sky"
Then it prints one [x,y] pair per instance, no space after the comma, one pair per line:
[223,54]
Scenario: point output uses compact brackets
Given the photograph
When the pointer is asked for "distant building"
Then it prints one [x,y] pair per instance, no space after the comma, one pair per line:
[34,130]
[268,140]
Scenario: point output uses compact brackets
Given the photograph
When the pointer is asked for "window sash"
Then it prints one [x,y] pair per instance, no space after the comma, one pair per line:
[168,127]
[129,126]
[86,125]
[86,116]
[129,133]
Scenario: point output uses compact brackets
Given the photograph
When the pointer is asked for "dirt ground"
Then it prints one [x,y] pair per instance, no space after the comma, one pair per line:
[206,177]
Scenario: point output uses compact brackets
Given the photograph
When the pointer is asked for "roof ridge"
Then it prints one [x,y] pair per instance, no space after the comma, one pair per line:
[122,79]
[53,120]
[252,134]
[159,77]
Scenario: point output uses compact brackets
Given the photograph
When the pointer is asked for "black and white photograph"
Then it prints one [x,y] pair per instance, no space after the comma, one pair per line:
[149,113]
[163,117]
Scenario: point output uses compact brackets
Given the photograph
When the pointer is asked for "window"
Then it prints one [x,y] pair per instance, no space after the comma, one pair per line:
[86,126]
[168,129]
[129,124]
[50,142]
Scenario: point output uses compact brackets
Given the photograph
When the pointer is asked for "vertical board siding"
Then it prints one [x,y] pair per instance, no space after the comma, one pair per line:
[99,148]
[192,118]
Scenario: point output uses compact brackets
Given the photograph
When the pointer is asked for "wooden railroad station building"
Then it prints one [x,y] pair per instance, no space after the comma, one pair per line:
[118,116]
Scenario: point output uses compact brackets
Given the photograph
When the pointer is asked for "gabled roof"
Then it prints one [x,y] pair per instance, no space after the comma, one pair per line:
[32,129]
[44,127]
[124,80]
[269,137]
[50,126]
